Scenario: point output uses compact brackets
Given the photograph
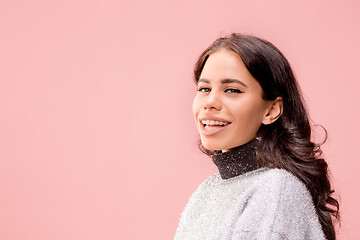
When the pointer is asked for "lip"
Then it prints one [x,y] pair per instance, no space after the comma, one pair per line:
[213,118]
[212,132]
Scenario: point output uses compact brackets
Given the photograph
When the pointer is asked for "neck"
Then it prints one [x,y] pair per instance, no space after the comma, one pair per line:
[237,161]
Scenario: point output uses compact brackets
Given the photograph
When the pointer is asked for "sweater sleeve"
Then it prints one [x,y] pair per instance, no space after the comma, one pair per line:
[278,206]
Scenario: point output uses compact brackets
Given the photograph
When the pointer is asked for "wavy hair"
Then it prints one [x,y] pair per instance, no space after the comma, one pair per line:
[286,143]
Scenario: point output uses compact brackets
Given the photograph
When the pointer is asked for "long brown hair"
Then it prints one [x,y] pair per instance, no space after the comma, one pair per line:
[286,143]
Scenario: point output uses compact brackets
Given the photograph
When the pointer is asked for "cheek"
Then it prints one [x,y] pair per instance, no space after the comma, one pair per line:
[249,113]
[195,106]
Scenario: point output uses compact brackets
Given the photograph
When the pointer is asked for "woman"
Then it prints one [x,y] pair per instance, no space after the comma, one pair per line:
[272,181]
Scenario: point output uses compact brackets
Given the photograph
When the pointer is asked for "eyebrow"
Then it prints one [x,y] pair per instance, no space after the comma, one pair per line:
[224,81]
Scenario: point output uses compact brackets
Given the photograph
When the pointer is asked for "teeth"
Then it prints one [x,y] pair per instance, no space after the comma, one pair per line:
[214,123]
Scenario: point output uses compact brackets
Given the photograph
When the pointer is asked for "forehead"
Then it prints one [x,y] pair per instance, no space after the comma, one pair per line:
[225,64]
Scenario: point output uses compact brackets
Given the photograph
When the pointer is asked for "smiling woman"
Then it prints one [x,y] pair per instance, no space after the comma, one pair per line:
[272,181]
[228,93]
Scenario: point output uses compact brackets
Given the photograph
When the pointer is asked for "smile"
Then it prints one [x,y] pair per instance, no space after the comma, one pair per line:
[211,127]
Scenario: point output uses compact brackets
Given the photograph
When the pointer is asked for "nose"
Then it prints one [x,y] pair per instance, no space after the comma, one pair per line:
[213,101]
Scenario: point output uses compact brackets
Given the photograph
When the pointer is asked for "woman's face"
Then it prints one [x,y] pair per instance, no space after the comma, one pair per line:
[228,107]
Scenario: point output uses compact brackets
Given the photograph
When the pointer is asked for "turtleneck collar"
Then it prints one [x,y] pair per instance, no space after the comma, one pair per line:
[237,161]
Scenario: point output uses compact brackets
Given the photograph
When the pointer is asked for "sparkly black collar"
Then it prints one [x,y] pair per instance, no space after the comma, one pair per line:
[237,161]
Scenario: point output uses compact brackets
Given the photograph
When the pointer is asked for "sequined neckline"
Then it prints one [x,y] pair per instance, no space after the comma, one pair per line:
[237,161]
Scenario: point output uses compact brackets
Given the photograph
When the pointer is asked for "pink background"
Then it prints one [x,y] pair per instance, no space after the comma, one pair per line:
[97,139]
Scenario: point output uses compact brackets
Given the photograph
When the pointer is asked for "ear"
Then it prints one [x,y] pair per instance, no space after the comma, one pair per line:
[274,111]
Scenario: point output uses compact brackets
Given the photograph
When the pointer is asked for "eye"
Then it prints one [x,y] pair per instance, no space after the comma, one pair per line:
[204,89]
[233,90]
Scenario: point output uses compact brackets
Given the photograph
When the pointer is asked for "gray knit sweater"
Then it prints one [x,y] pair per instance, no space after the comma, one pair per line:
[259,204]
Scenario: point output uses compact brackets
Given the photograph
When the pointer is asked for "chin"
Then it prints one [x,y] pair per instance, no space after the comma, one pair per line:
[213,146]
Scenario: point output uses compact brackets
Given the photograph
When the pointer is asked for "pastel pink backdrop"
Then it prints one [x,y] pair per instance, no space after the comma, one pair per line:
[96,132]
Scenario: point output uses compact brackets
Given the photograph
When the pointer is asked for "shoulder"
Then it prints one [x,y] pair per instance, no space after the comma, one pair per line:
[282,197]
[280,181]
[280,175]
[281,188]
[280,203]
[289,202]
